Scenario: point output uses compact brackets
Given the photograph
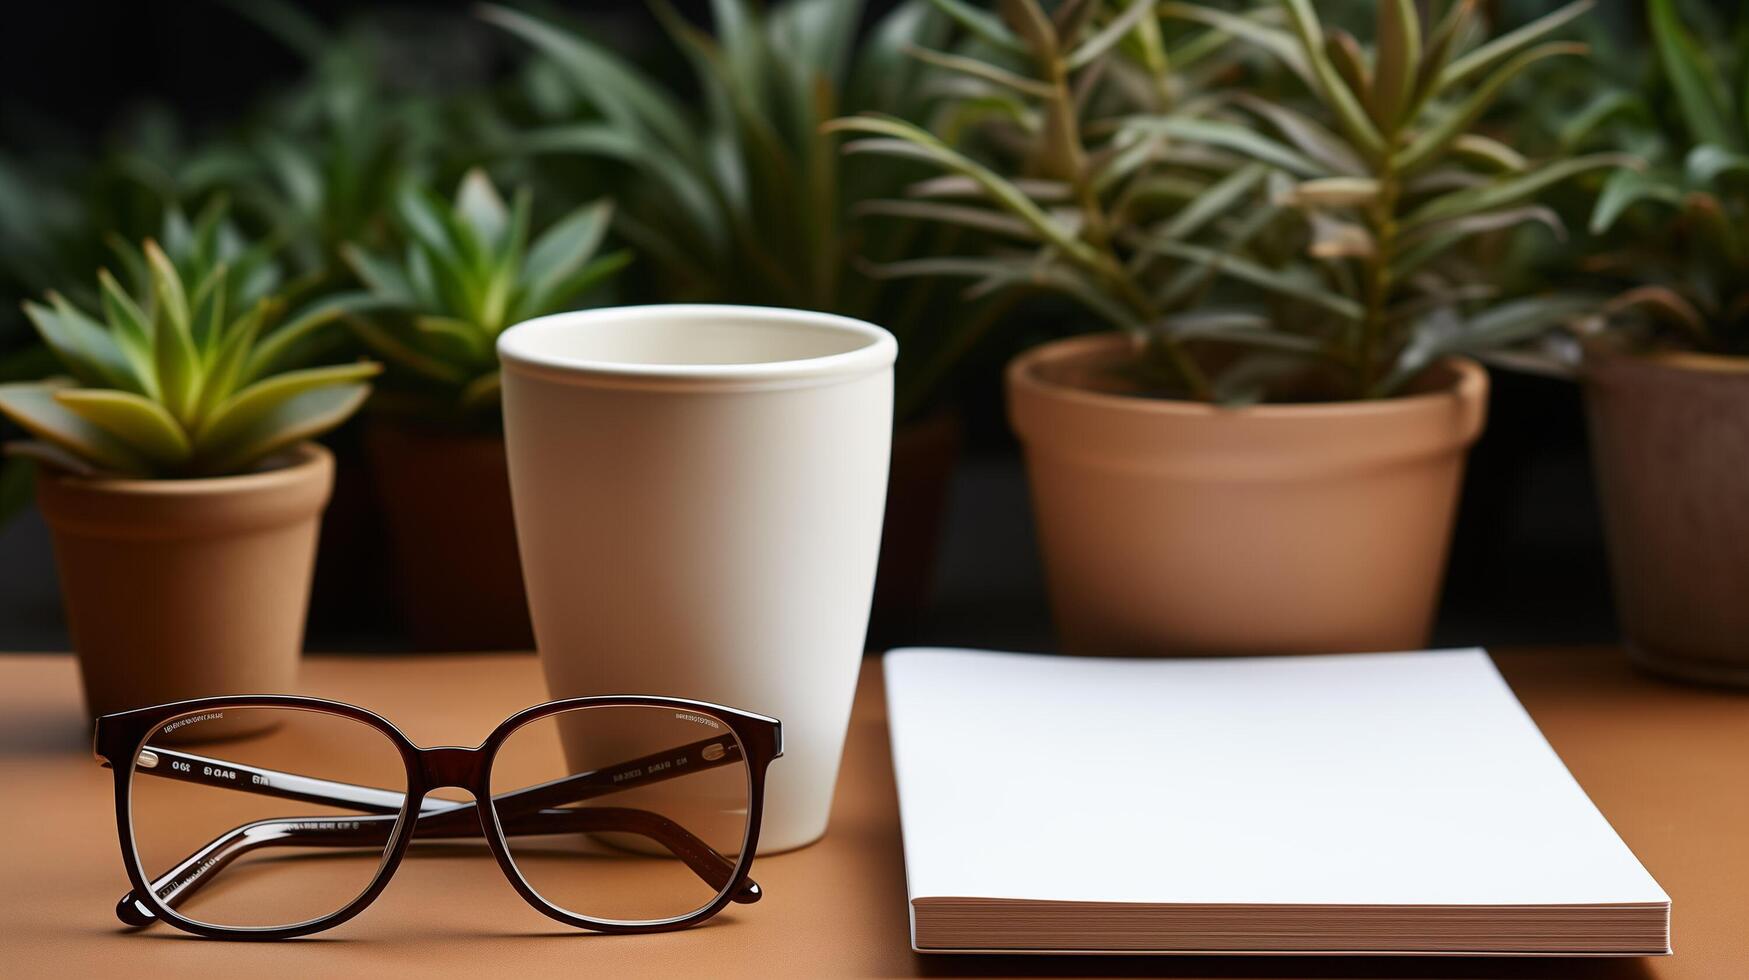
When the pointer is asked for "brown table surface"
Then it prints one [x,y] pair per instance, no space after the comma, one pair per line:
[1669,766]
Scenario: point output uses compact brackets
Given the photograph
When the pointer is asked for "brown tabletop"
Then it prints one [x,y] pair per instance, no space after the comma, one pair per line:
[1668,765]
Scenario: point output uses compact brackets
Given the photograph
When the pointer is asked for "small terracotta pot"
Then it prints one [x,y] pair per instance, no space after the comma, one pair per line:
[446,499]
[1174,527]
[924,453]
[181,589]
[1670,443]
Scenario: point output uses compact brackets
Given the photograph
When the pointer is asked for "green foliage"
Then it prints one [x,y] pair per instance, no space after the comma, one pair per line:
[733,192]
[469,272]
[1675,236]
[319,163]
[192,368]
[1379,174]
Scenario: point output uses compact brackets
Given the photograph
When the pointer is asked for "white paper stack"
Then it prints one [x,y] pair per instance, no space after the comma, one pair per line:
[1376,803]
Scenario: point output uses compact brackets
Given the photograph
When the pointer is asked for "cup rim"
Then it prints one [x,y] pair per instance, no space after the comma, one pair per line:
[517,352]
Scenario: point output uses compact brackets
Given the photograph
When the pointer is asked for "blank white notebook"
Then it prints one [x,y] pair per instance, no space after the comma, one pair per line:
[1373,803]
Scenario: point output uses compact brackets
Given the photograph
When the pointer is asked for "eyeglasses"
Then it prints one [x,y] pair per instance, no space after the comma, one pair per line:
[619,814]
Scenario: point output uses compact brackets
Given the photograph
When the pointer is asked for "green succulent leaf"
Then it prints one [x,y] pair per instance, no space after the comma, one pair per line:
[176,362]
[287,423]
[1336,192]
[1213,203]
[34,408]
[1398,57]
[1509,190]
[79,343]
[392,348]
[245,411]
[139,422]
[691,196]
[622,93]
[1231,136]
[1335,91]
[965,216]
[379,274]
[1430,241]
[1306,135]
[1428,145]
[983,71]
[1284,46]
[905,139]
[226,369]
[1700,91]
[1707,162]
[1273,280]
[1603,108]
[981,24]
[464,341]
[1489,152]
[278,345]
[1463,69]
[565,247]
[1625,188]
[482,392]
[1111,34]
[132,330]
[482,210]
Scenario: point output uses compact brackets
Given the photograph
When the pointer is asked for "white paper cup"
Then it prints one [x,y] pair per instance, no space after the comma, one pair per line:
[698,495]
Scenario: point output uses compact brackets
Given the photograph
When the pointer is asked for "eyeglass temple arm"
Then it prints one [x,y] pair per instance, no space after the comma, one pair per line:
[656,767]
[182,881]
[520,812]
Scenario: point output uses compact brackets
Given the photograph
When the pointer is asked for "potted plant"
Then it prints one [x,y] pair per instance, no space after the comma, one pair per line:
[1667,384]
[1266,455]
[176,471]
[436,438]
[736,195]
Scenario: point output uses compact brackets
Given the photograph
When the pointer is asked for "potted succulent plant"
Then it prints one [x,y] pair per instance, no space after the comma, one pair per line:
[1667,384]
[176,471]
[735,195]
[1266,455]
[436,439]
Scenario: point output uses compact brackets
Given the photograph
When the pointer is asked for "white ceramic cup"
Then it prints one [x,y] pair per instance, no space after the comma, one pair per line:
[698,495]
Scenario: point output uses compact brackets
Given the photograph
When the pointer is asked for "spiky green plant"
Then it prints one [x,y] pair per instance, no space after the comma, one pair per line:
[470,271]
[732,193]
[193,371]
[1385,169]
[1675,236]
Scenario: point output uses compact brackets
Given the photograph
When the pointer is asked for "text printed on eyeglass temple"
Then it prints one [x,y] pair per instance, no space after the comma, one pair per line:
[218,772]
[192,719]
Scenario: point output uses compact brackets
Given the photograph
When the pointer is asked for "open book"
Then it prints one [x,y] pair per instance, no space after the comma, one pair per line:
[1373,803]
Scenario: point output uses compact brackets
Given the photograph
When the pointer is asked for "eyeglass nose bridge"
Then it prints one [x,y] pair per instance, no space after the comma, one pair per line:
[452,765]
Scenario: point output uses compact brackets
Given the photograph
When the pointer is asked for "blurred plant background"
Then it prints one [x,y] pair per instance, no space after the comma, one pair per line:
[700,120]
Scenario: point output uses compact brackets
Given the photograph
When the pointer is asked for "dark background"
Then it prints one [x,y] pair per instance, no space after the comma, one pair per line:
[1527,564]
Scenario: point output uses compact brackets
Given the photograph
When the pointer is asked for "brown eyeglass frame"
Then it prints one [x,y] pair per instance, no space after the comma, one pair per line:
[120,745]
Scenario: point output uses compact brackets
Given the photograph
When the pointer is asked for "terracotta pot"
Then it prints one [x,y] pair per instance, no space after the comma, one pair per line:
[446,499]
[1180,528]
[924,453]
[1670,442]
[181,589]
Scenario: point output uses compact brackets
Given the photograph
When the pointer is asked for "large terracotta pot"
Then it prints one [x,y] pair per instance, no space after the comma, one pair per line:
[180,589]
[1180,528]
[446,499]
[1670,441]
[924,453]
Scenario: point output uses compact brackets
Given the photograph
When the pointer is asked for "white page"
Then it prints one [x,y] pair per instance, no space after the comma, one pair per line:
[1413,778]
